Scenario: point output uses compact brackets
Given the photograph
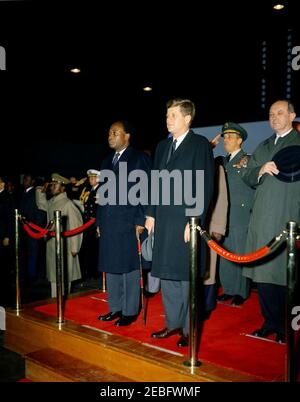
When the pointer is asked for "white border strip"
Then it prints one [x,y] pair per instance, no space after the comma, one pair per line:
[98,298]
[262,339]
[97,329]
[162,349]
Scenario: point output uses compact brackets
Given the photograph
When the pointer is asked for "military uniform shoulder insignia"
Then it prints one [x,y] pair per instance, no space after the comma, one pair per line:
[242,162]
[84,195]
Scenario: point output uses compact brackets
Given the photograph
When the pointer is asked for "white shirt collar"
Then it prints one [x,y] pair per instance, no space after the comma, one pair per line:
[284,134]
[234,153]
[1,190]
[29,188]
[120,152]
[180,138]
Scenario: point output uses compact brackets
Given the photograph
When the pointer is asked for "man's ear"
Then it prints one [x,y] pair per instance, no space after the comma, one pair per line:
[293,116]
[188,119]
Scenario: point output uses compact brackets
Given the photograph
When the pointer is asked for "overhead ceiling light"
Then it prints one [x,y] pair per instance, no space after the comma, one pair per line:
[75,70]
[278,7]
[147,89]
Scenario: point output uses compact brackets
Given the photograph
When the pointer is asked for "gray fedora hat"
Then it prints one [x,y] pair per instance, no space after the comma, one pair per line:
[147,247]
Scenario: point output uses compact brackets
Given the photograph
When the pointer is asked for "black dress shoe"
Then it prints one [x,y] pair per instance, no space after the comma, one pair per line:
[263,332]
[166,332]
[125,320]
[280,338]
[183,341]
[110,316]
[237,300]
[224,297]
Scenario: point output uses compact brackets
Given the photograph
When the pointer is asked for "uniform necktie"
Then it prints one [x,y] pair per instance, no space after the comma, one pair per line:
[228,157]
[277,139]
[115,159]
[172,149]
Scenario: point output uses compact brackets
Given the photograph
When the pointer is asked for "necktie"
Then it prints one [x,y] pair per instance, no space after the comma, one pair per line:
[115,159]
[172,149]
[228,157]
[277,139]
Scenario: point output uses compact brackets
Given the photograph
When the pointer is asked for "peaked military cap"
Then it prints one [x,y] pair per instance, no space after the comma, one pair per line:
[235,128]
[93,172]
[57,178]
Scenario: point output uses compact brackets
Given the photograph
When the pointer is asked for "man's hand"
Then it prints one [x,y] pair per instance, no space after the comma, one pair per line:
[44,188]
[187,233]
[215,141]
[216,236]
[150,224]
[81,181]
[97,231]
[138,231]
[5,242]
[269,168]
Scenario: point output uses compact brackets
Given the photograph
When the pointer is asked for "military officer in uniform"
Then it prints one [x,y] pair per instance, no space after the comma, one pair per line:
[235,285]
[89,250]
[72,218]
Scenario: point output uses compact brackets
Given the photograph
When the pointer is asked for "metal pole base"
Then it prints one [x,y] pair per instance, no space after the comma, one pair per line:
[103,288]
[17,309]
[60,321]
[188,363]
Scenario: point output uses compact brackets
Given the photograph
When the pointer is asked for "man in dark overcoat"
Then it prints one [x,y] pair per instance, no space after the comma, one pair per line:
[276,203]
[185,151]
[6,241]
[32,249]
[119,227]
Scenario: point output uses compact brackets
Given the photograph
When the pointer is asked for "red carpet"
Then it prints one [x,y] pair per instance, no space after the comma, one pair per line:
[223,340]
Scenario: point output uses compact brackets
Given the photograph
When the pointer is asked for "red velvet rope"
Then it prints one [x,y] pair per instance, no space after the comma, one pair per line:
[33,234]
[75,231]
[37,228]
[261,252]
[43,232]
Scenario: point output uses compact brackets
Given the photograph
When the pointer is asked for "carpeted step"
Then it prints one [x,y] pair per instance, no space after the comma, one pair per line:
[50,365]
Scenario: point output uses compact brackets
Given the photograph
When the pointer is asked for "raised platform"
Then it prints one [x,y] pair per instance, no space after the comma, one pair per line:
[74,352]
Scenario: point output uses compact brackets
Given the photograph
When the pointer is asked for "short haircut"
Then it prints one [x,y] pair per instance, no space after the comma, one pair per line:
[3,179]
[290,106]
[187,107]
[128,126]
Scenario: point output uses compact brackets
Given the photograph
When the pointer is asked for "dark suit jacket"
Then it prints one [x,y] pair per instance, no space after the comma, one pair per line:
[6,215]
[171,254]
[118,243]
[29,209]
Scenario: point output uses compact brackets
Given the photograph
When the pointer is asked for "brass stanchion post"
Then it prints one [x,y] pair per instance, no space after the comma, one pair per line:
[103,282]
[59,268]
[290,299]
[17,262]
[193,308]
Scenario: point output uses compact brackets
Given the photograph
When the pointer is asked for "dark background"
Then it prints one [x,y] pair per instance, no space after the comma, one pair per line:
[210,52]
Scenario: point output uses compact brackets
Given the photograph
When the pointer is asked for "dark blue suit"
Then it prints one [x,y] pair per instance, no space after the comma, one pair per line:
[32,249]
[118,255]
